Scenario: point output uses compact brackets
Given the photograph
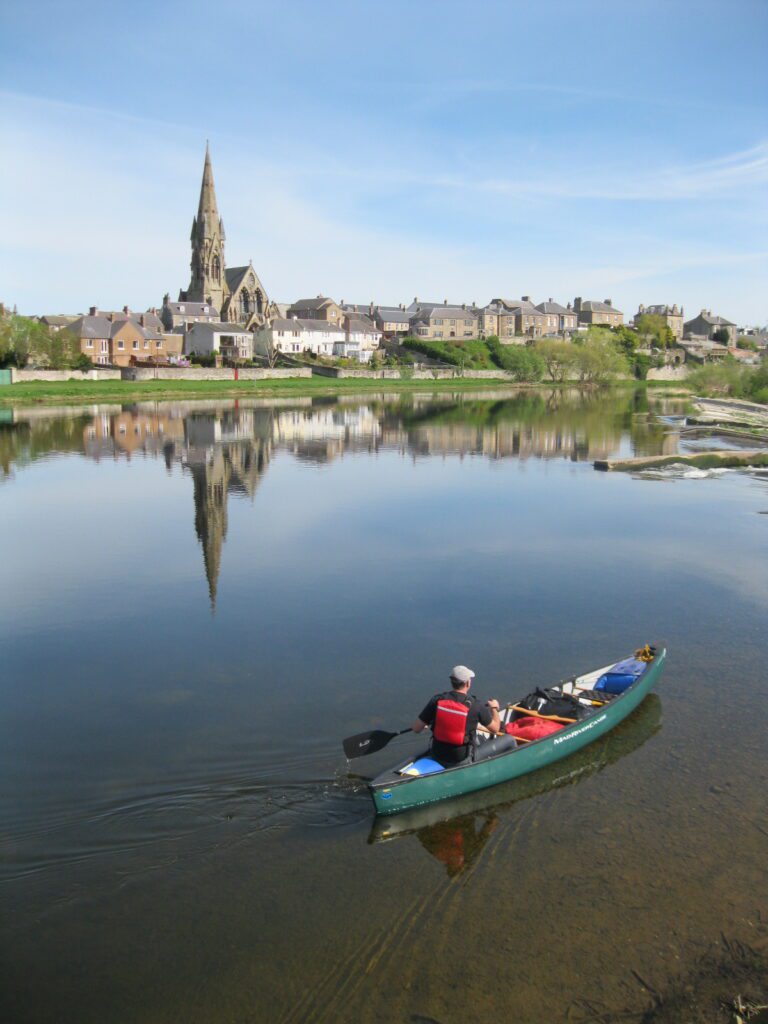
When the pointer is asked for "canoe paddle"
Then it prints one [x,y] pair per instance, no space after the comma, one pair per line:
[368,742]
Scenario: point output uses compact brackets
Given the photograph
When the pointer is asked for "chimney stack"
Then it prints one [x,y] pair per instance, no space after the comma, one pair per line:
[607,302]
[126,310]
[92,311]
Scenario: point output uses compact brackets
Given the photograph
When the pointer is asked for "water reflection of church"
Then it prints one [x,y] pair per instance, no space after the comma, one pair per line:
[225,452]
[227,449]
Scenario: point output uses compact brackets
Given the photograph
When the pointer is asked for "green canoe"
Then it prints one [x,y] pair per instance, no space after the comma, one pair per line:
[393,792]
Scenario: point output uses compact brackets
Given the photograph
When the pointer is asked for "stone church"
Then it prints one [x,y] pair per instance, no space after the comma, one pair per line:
[235,292]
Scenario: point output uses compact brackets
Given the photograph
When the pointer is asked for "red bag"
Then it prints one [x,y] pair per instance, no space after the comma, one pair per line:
[530,728]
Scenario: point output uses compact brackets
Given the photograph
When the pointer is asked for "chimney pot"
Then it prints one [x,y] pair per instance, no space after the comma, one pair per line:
[526,298]
[126,310]
[92,311]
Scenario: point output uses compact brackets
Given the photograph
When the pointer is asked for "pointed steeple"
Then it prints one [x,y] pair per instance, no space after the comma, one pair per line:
[207,282]
[207,211]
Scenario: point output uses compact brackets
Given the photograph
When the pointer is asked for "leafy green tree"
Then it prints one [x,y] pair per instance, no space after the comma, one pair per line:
[721,335]
[520,360]
[558,357]
[654,331]
[598,358]
[627,339]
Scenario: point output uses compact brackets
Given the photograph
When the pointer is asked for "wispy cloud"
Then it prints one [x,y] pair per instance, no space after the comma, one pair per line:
[720,176]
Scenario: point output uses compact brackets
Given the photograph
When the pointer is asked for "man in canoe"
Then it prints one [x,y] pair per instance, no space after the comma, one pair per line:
[454,716]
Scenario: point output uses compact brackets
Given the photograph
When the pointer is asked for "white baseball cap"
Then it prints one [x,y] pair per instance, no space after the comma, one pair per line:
[462,674]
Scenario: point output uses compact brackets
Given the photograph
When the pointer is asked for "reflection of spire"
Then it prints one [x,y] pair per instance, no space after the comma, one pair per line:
[211,479]
[224,457]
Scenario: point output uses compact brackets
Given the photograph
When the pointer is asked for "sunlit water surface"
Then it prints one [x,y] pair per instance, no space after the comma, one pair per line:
[200,601]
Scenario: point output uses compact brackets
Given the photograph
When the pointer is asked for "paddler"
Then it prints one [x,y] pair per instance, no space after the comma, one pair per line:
[454,716]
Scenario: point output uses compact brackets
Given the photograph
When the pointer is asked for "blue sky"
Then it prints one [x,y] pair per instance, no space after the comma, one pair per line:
[381,151]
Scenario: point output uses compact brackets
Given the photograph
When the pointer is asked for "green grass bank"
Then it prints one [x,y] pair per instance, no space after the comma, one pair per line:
[77,392]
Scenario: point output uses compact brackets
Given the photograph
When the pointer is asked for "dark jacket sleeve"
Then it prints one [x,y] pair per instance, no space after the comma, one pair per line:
[484,715]
[427,716]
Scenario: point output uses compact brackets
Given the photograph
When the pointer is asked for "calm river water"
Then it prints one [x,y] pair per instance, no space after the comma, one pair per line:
[200,601]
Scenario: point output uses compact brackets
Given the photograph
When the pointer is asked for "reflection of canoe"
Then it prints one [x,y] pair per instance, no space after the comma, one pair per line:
[644,723]
[393,792]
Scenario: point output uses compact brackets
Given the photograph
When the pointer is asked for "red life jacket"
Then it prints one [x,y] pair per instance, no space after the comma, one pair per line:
[450,725]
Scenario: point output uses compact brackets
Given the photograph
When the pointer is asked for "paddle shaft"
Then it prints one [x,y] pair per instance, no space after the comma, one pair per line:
[369,742]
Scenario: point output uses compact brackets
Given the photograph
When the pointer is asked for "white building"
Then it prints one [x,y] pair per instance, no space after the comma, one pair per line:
[205,339]
[293,336]
[361,339]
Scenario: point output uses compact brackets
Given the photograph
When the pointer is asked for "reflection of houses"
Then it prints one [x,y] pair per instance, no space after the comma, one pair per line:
[126,433]
[322,434]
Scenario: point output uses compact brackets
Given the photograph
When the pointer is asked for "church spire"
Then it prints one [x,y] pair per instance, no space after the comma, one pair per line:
[207,211]
[207,282]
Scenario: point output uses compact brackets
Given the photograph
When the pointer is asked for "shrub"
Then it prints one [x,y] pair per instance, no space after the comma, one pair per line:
[520,360]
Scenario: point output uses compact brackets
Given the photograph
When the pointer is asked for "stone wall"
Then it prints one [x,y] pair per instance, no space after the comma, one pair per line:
[199,373]
[668,373]
[24,376]
[393,373]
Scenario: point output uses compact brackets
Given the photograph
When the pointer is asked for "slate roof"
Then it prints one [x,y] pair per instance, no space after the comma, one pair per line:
[595,306]
[101,327]
[715,321]
[416,305]
[234,277]
[554,307]
[219,327]
[520,305]
[393,314]
[317,303]
[92,327]
[445,312]
[364,326]
[60,320]
[193,308]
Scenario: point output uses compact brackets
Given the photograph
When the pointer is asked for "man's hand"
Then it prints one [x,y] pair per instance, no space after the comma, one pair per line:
[493,705]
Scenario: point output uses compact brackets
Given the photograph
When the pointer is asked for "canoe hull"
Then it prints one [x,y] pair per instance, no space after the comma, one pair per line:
[406,793]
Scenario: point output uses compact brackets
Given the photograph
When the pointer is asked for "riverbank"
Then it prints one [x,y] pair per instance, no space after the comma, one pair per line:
[75,392]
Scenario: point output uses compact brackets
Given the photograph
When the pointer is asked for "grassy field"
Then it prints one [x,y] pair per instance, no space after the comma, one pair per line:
[129,391]
[77,392]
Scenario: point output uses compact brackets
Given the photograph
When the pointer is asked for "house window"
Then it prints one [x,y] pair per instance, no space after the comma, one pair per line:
[146,344]
[122,428]
[105,346]
[88,343]
[121,345]
[452,323]
[181,309]
[135,344]
[160,343]
[438,334]
[439,323]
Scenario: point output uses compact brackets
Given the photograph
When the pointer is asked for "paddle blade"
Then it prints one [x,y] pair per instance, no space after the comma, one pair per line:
[367,743]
